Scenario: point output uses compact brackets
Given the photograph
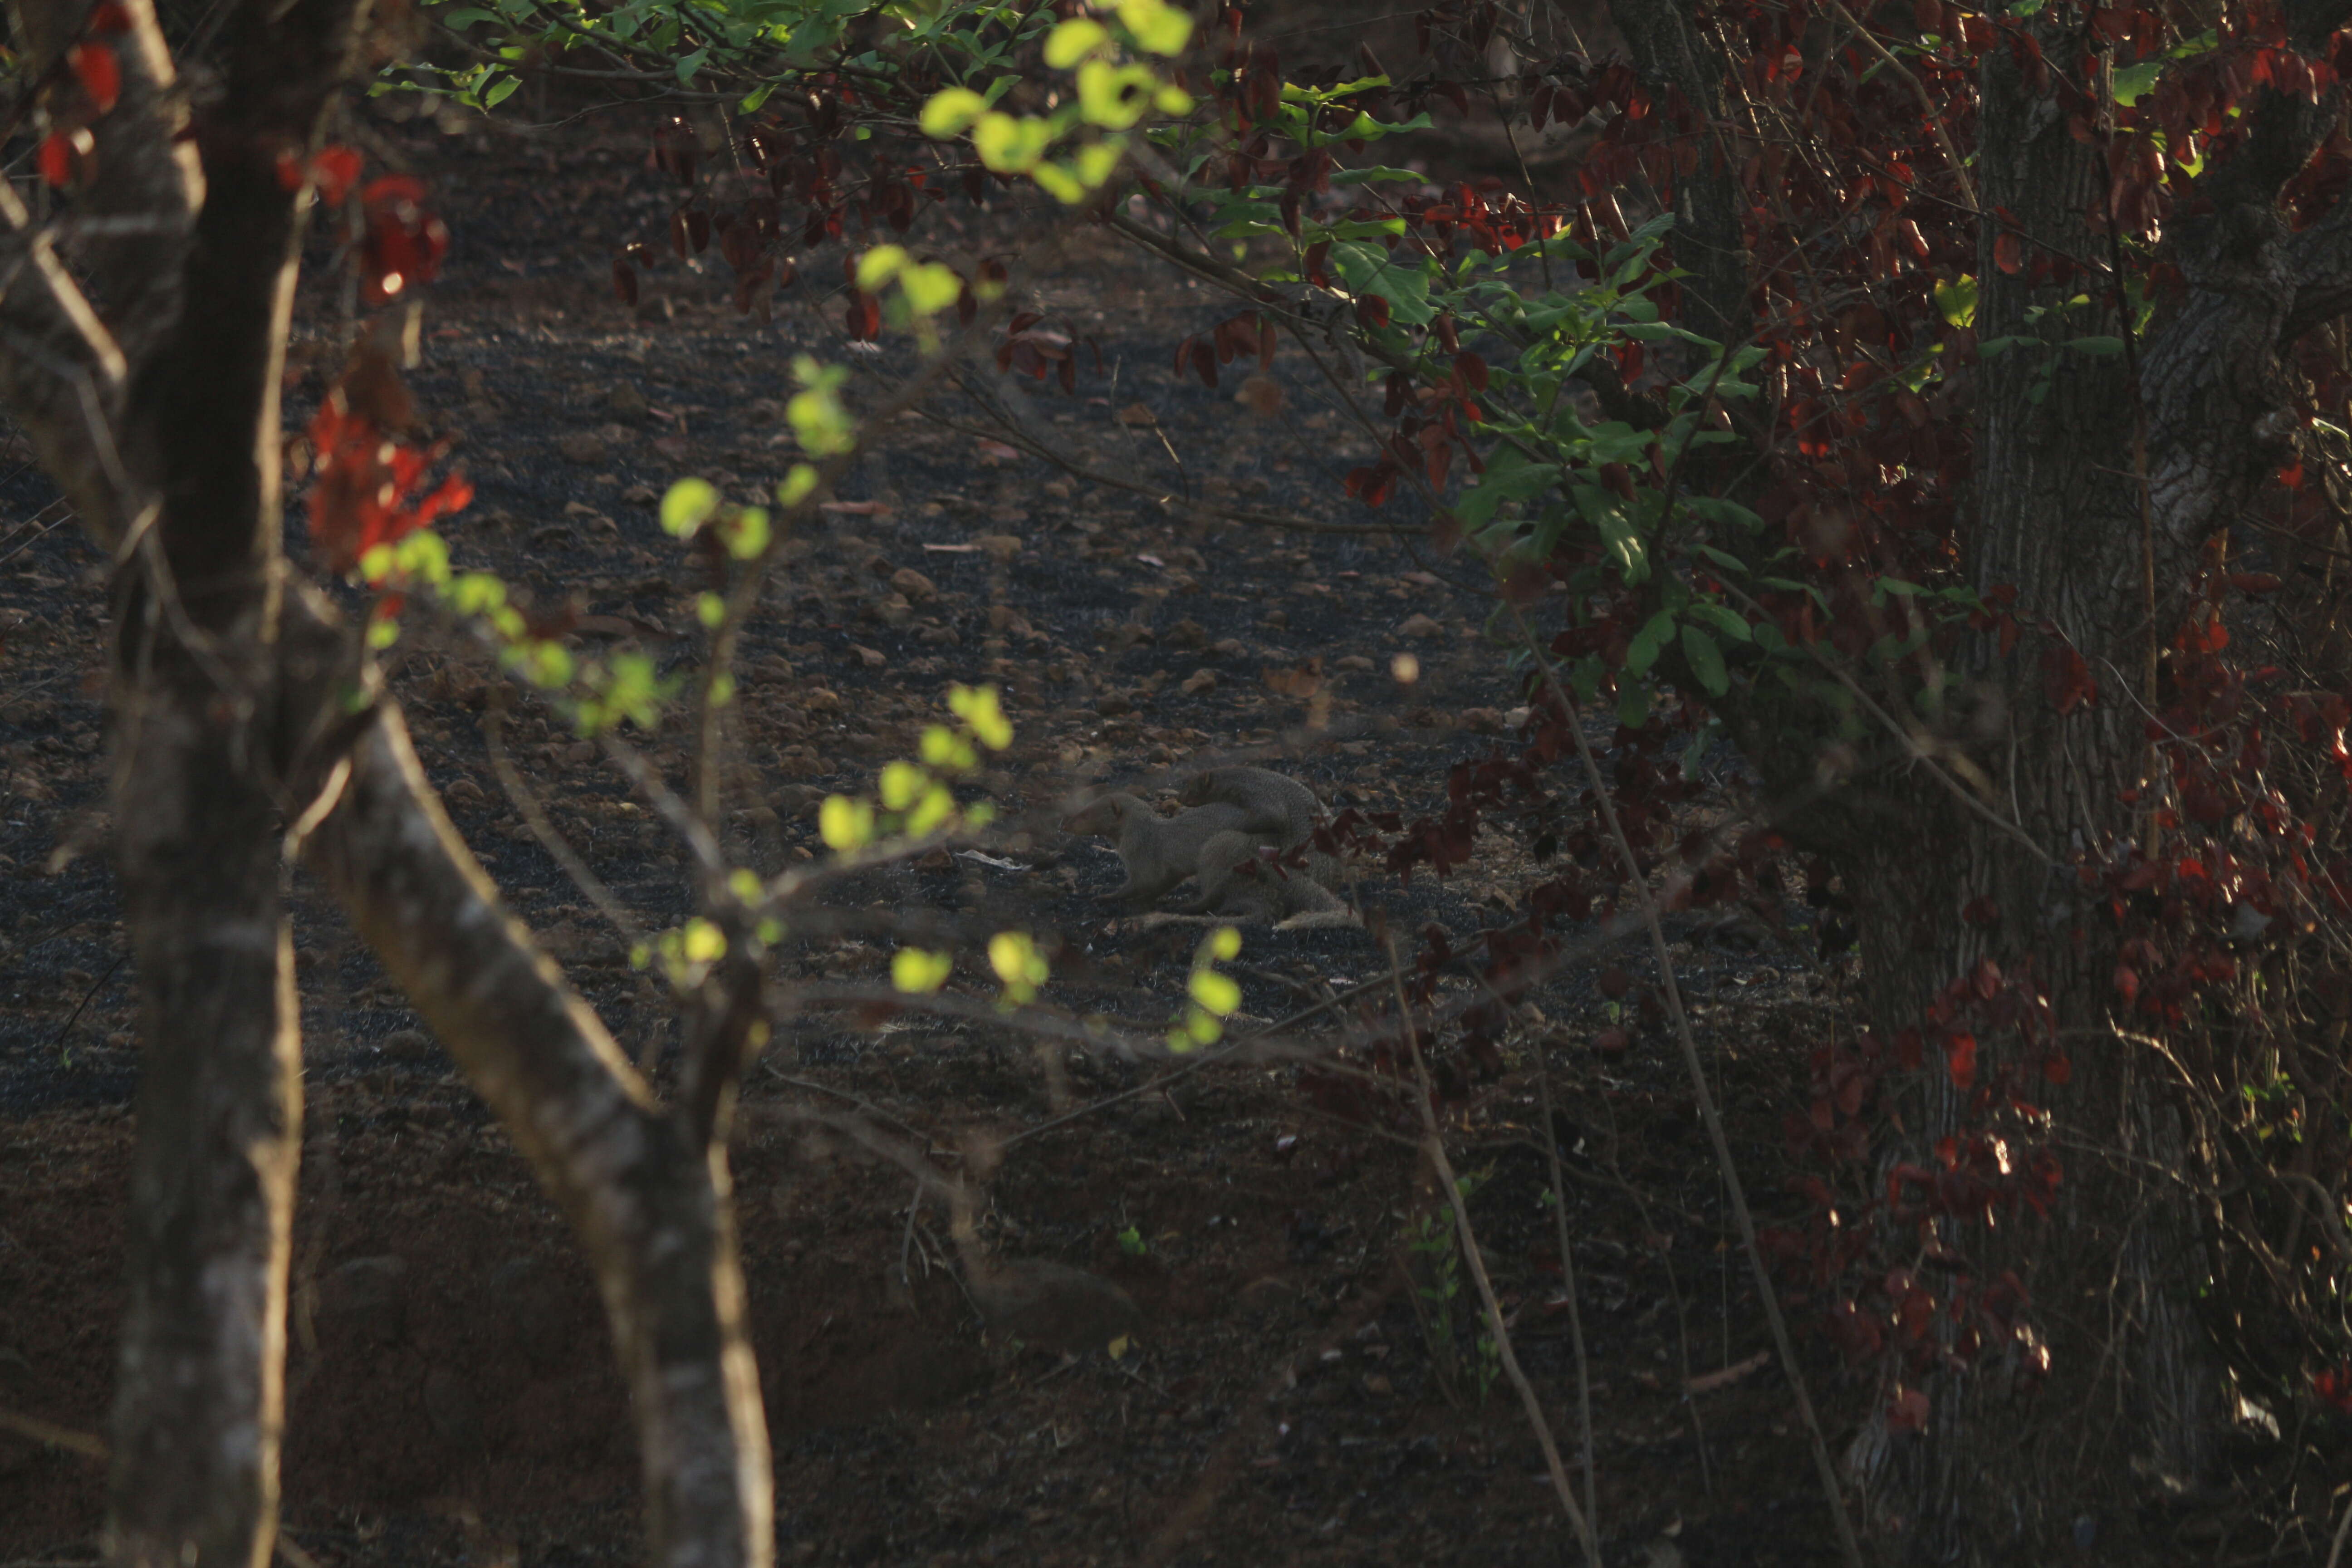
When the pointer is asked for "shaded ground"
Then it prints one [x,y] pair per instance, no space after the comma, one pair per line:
[1299,1389]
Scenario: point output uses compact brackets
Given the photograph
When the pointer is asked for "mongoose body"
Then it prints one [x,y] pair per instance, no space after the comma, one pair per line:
[1278,808]
[1232,887]
[1157,851]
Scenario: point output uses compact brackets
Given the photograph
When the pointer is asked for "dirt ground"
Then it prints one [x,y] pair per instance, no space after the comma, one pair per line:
[1297,1387]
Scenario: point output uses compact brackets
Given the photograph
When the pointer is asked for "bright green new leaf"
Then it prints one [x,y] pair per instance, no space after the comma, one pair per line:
[1074,40]
[1114,97]
[979,707]
[796,486]
[1158,28]
[1215,992]
[1015,957]
[709,609]
[1058,183]
[879,264]
[931,811]
[953,111]
[746,533]
[1010,146]
[844,823]
[688,505]
[902,784]
[914,969]
[946,750]
[705,943]
[1223,942]
[930,287]
[1096,160]
[382,632]
[477,594]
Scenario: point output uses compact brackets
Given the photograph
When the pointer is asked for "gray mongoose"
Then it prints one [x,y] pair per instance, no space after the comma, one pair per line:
[1231,889]
[1279,808]
[1157,851]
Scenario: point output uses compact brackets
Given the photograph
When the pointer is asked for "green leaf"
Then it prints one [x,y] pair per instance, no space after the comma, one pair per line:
[1957,301]
[1715,508]
[951,112]
[916,971]
[1705,660]
[689,64]
[1216,993]
[2099,346]
[1649,643]
[1722,617]
[2136,82]
[688,505]
[1074,40]
[844,823]
[1373,270]
[1158,28]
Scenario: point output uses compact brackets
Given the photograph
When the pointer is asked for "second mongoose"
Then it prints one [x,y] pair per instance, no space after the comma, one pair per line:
[1234,886]
[1277,807]
[1157,851]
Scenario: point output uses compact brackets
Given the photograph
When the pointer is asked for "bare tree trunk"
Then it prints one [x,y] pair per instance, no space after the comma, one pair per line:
[198,799]
[648,1196]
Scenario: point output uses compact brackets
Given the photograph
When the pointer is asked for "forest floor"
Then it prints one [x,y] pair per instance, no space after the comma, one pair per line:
[1302,1382]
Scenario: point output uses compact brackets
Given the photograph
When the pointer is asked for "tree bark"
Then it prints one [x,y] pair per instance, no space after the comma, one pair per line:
[199,791]
[649,1198]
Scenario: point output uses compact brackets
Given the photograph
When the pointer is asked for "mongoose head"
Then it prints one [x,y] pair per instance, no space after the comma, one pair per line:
[1102,814]
[1197,790]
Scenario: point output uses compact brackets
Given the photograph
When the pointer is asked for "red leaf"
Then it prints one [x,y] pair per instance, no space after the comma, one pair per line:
[1372,310]
[99,73]
[2058,1069]
[2005,253]
[624,280]
[56,159]
[1907,1411]
[108,19]
[1960,1057]
[1471,370]
[335,171]
[864,317]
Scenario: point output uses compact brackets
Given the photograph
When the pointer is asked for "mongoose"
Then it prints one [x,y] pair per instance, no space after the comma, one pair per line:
[1232,887]
[1278,808]
[1157,851]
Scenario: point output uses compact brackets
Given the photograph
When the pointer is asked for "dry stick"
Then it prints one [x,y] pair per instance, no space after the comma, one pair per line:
[543,828]
[1434,1145]
[2336,1549]
[1568,1279]
[57,1436]
[1847,1544]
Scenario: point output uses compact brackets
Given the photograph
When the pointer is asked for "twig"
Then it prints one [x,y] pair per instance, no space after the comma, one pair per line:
[558,847]
[83,1443]
[67,1028]
[1935,115]
[1433,1144]
[1568,1285]
[1847,1544]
